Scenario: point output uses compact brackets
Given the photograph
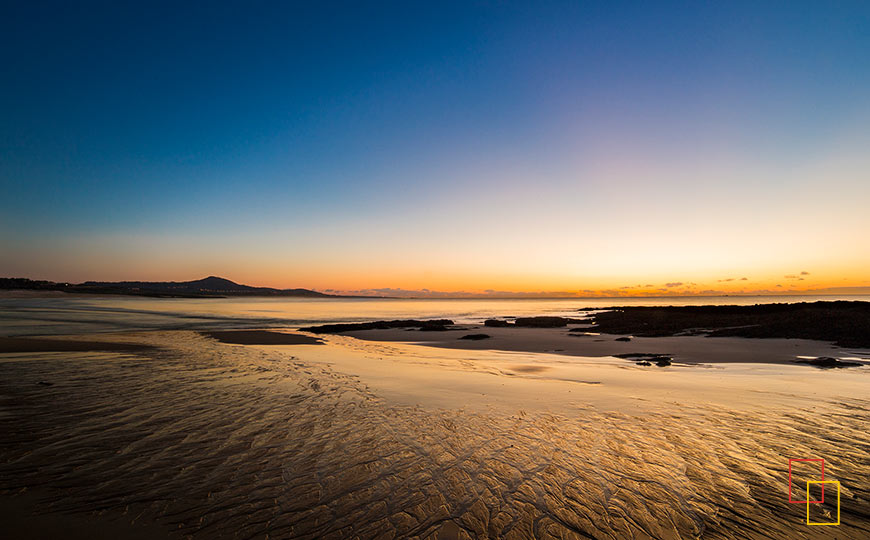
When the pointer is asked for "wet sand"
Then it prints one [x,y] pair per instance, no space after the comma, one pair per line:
[26,293]
[23,518]
[203,439]
[688,349]
[261,337]
[32,345]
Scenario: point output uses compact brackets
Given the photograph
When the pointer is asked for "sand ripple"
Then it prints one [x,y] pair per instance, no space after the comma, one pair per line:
[213,440]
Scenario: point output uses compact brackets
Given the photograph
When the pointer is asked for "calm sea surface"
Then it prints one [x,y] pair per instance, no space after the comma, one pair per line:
[82,314]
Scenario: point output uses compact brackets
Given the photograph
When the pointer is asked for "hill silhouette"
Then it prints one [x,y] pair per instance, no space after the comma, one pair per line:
[211,286]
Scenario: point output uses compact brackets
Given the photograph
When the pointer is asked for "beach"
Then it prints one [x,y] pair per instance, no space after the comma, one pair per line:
[435,271]
[179,433]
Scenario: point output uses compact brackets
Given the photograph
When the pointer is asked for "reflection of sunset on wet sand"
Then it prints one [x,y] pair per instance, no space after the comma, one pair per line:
[384,439]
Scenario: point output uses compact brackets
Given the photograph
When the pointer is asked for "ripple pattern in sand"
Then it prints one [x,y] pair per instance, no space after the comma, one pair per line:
[219,441]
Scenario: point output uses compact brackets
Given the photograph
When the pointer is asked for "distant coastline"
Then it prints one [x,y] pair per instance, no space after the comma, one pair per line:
[218,287]
[210,287]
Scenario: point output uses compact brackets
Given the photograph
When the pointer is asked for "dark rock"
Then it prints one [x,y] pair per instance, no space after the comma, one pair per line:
[496,323]
[437,325]
[545,322]
[622,339]
[640,355]
[845,323]
[826,362]
[434,326]
[644,359]
[476,337]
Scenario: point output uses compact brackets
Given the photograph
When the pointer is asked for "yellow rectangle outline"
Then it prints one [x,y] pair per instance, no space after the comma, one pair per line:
[808,501]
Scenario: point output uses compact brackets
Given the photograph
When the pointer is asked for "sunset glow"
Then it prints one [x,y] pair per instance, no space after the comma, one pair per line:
[404,158]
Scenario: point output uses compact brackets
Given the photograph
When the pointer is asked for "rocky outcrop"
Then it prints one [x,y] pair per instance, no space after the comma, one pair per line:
[545,322]
[476,337]
[436,325]
[826,362]
[645,359]
[844,323]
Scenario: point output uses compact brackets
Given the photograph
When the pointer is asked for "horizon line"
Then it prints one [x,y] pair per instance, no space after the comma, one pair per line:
[484,297]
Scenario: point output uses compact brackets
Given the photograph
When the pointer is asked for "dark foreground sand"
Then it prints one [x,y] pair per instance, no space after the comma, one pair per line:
[354,439]
[33,345]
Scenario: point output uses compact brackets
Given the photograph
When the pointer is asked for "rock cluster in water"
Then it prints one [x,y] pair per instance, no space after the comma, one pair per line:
[645,359]
[826,362]
[436,325]
[475,337]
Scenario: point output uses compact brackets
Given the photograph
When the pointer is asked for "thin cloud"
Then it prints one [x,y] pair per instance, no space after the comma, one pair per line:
[673,284]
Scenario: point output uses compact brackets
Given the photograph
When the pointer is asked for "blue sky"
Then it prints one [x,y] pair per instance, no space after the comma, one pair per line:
[175,129]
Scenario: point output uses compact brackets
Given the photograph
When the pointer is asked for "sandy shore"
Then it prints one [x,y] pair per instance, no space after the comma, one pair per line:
[687,349]
[201,439]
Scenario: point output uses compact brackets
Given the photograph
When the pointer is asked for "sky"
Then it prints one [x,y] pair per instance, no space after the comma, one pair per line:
[486,147]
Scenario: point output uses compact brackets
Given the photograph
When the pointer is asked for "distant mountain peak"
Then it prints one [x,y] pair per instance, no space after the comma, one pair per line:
[213,281]
[211,286]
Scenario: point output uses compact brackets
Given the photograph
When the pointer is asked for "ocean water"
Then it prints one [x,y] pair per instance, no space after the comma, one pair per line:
[97,314]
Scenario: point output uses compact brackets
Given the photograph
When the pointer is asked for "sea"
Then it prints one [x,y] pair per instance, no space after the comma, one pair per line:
[82,314]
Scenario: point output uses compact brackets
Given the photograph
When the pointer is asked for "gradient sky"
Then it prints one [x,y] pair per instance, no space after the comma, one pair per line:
[577,146]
